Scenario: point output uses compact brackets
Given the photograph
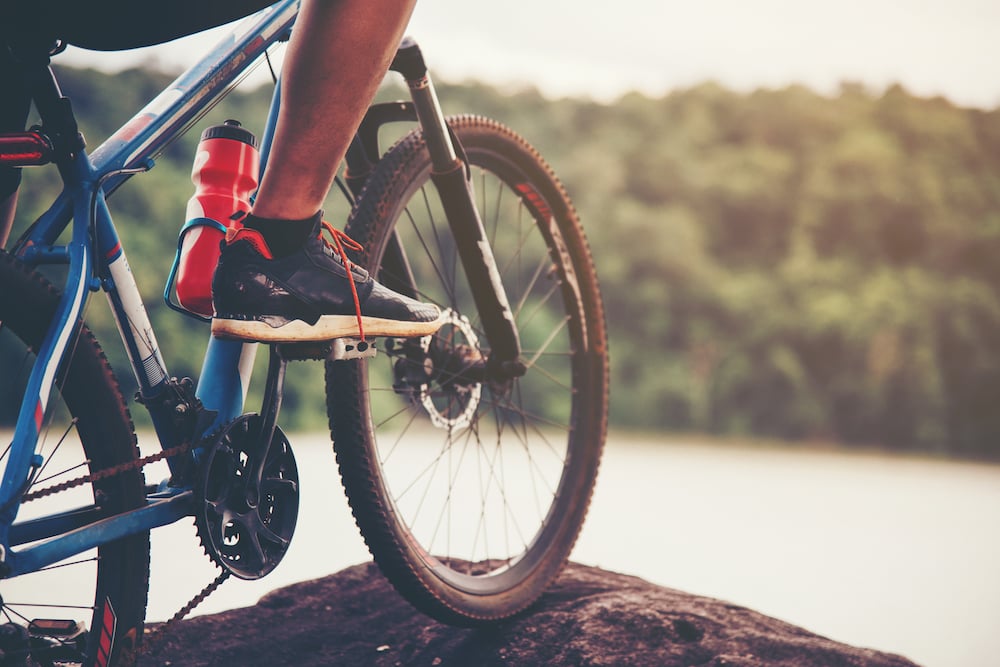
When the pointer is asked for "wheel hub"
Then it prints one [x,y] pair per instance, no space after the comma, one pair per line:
[445,373]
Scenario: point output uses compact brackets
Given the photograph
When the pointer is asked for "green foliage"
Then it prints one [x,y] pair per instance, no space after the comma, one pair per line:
[775,263]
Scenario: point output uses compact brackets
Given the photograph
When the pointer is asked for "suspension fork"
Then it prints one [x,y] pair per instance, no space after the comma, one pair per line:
[451,178]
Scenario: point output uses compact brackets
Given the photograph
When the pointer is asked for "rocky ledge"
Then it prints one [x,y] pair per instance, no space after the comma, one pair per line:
[589,617]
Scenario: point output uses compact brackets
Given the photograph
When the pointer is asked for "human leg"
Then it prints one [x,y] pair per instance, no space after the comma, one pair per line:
[277,279]
[336,59]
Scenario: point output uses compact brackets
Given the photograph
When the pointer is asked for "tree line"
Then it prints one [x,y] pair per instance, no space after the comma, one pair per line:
[776,263]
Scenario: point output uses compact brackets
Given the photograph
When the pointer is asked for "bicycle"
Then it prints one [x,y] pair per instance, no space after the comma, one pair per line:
[470,529]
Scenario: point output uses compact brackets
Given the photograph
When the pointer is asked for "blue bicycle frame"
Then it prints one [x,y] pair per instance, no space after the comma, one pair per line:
[99,263]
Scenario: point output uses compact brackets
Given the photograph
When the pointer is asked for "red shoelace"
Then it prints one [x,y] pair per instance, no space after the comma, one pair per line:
[340,240]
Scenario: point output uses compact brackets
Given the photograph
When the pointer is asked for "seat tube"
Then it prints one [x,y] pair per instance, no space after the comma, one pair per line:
[225,377]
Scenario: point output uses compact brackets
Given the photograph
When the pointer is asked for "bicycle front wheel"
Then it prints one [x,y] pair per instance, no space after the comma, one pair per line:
[470,490]
[89,609]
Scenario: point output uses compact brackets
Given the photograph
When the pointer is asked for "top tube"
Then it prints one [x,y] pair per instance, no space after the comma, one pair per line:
[193,93]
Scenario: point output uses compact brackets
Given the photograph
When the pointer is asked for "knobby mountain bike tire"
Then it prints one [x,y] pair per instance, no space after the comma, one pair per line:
[86,428]
[470,492]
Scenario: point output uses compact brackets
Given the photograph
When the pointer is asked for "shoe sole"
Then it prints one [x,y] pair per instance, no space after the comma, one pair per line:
[328,327]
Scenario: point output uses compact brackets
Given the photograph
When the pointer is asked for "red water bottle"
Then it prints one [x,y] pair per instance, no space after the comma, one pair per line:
[225,176]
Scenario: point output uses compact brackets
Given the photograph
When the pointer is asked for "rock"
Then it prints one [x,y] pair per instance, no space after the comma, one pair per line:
[589,617]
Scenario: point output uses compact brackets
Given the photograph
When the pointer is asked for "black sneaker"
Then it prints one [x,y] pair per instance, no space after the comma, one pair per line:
[308,295]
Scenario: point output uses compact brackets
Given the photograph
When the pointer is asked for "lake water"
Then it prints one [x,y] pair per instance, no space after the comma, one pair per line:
[892,553]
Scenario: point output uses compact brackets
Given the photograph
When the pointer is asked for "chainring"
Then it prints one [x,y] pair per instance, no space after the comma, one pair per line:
[246,525]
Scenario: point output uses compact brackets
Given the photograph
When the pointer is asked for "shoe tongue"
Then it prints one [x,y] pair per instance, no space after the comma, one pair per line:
[317,223]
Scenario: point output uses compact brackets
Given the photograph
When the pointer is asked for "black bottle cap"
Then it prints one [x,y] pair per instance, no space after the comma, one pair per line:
[231,129]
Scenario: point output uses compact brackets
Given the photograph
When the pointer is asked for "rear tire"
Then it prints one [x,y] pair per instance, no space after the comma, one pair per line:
[86,428]
[470,493]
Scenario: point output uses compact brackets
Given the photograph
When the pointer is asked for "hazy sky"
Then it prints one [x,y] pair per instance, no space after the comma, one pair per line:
[602,49]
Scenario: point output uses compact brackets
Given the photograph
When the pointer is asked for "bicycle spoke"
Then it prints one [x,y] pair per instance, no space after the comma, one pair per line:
[449,279]
[533,416]
[548,341]
[539,307]
[526,292]
[508,513]
[523,438]
[38,476]
[428,254]
[549,376]
[67,471]
[47,605]
[496,211]
[413,415]
[69,564]
[449,488]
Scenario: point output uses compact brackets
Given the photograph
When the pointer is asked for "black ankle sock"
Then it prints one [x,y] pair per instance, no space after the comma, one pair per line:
[283,237]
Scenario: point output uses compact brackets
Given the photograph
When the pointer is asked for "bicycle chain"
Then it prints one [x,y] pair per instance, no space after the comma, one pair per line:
[107,472]
[151,642]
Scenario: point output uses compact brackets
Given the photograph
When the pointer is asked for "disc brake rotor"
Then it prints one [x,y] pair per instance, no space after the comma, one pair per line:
[452,402]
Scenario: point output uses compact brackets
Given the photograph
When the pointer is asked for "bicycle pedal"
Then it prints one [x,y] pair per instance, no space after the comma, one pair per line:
[56,628]
[352,348]
[330,350]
